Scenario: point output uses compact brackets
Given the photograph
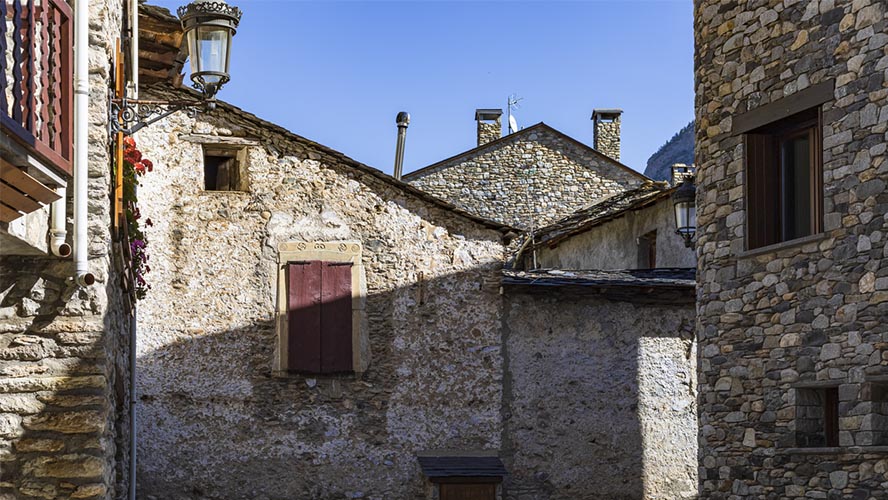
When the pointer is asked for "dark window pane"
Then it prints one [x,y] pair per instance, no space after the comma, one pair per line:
[796,181]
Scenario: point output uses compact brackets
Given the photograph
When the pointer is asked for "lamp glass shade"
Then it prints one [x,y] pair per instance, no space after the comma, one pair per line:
[686,218]
[209,51]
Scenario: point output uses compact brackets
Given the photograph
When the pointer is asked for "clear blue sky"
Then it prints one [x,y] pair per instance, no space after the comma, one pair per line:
[338,72]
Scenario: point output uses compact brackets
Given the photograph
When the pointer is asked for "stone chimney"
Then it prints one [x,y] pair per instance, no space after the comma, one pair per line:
[490,127]
[607,132]
[680,172]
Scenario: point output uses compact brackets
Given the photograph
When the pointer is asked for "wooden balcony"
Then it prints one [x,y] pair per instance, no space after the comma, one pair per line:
[36,97]
[36,39]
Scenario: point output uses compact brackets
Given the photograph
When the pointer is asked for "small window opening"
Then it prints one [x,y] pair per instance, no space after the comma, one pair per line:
[224,169]
[878,398]
[817,417]
[647,250]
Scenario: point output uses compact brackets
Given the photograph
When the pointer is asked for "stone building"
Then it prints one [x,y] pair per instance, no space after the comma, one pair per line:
[531,177]
[64,322]
[634,229]
[791,121]
[431,372]
[225,406]
[599,386]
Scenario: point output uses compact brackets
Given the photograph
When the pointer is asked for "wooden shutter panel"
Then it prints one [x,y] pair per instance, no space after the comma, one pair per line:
[762,191]
[336,317]
[304,317]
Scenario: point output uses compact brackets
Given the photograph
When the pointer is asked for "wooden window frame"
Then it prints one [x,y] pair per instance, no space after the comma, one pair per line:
[767,147]
[331,252]
[238,179]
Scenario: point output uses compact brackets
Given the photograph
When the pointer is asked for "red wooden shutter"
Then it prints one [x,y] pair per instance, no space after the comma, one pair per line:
[762,191]
[319,309]
[336,317]
[304,317]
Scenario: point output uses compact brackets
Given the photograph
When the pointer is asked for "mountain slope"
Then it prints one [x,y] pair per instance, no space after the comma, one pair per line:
[679,149]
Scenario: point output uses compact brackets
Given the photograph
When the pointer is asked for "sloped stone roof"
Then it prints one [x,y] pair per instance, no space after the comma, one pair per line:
[593,215]
[662,285]
[230,112]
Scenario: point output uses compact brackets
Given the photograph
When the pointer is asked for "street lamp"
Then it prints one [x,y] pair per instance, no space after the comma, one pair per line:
[685,210]
[209,26]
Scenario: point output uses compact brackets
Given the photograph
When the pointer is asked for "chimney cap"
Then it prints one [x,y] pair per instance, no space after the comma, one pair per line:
[488,114]
[606,113]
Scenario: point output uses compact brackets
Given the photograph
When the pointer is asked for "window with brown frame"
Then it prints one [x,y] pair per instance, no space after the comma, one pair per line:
[224,168]
[784,180]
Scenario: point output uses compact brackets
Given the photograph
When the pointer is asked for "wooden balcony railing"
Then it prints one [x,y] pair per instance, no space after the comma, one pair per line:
[36,40]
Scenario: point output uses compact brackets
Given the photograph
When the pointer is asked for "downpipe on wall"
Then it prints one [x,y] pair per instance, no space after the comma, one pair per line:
[57,229]
[82,276]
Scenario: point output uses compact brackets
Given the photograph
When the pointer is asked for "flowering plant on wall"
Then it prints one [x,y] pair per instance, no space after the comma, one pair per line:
[135,166]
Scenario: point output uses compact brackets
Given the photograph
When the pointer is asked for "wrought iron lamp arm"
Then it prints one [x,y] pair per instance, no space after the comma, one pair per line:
[131,115]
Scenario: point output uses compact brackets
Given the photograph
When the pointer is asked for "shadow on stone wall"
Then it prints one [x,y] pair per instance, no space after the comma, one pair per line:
[216,422]
[599,398]
[63,392]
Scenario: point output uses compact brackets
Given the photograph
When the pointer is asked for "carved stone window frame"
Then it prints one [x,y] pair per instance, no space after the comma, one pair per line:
[327,251]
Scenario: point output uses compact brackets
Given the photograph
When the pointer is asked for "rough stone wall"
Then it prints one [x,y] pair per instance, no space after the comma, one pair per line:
[214,421]
[533,178]
[772,322]
[607,137]
[489,131]
[63,350]
[599,398]
[614,244]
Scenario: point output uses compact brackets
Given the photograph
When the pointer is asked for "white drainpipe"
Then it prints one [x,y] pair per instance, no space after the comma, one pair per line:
[82,276]
[58,231]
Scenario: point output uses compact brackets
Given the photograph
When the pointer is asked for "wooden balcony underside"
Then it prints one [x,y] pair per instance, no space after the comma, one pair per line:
[21,194]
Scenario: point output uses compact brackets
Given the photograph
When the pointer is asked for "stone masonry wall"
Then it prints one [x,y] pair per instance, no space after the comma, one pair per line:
[776,325]
[614,244]
[489,131]
[607,138]
[531,178]
[63,350]
[215,421]
[599,398]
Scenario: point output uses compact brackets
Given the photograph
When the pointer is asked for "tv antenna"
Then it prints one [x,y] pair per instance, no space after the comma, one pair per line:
[513,104]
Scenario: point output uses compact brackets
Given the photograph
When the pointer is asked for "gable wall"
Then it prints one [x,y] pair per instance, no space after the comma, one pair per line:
[215,420]
[497,184]
[614,244]
[805,313]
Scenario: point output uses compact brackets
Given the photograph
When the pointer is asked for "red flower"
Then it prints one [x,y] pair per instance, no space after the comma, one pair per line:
[140,169]
[129,143]
[147,164]
[132,155]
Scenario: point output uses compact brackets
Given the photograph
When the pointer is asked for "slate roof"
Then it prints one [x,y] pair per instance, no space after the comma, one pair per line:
[462,466]
[598,213]
[453,160]
[661,277]
[671,286]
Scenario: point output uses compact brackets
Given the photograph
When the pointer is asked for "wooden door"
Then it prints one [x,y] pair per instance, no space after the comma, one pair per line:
[478,491]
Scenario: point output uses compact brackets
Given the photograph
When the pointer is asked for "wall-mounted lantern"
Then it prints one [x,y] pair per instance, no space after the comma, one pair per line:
[209,26]
[685,210]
